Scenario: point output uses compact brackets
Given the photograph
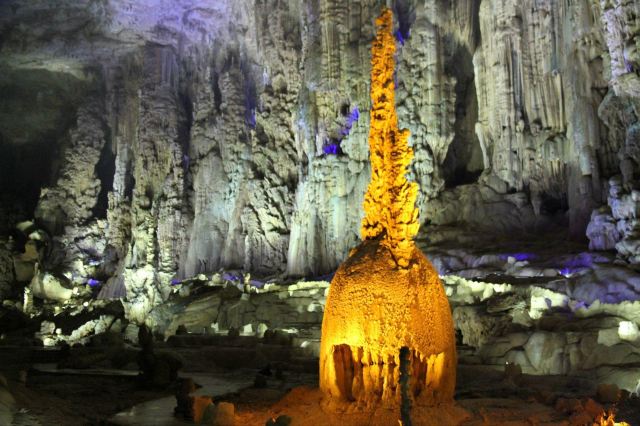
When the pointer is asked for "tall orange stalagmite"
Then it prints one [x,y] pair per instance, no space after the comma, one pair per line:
[389,203]
[387,296]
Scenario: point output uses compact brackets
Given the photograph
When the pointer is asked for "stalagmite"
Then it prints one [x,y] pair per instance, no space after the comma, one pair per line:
[389,204]
[387,296]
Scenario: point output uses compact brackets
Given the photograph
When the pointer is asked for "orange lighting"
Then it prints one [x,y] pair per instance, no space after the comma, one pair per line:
[389,203]
[609,420]
[387,295]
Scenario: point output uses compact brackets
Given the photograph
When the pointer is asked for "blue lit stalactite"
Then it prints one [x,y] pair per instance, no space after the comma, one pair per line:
[353,116]
[332,147]
[405,15]
[251,118]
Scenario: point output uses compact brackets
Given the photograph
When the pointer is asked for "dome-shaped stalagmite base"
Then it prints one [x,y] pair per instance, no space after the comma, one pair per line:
[374,309]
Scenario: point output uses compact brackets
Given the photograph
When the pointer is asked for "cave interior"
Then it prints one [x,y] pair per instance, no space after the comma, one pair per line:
[183,182]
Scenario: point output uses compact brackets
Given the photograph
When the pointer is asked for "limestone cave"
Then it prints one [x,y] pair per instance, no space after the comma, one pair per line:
[319,212]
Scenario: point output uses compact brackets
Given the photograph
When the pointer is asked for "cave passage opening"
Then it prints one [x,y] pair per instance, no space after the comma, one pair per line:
[463,163]
[38,107]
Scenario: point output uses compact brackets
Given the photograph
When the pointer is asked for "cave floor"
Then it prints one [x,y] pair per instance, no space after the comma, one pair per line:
[485,396]
[75,399]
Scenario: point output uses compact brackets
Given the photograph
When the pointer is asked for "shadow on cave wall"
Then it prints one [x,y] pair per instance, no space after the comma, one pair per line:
[105,171]
[405,15]
[37,109]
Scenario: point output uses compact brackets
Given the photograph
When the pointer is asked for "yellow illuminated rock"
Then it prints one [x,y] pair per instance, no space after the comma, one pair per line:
[372,311]
[387,296]
[389,203]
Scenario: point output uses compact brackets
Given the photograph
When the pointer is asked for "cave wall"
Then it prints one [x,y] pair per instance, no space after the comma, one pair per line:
[233,134]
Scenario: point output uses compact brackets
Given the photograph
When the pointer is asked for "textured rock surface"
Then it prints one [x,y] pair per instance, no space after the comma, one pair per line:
[390,202]
[550,328]
[186,136]
[373,309]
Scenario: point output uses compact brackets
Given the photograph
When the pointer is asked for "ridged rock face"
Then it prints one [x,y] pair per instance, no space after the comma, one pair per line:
[373,310]
[167,138]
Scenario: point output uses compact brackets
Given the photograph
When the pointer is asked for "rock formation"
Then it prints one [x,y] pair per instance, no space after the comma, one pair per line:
[386,298]
[156,141]
[389,204]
